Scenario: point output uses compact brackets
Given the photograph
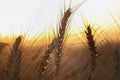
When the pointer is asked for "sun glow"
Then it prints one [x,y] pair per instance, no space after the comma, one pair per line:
[97,12]
[38,15]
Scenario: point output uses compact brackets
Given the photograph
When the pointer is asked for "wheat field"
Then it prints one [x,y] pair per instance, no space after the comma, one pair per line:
[90,59]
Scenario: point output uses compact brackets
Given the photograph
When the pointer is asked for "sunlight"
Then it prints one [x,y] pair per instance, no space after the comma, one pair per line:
[96,12]
[39,15]
[27,16]
[98,8]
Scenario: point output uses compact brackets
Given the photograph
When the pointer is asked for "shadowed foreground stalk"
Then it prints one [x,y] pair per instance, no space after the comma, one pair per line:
[117,64]
[92,48]
[14,60]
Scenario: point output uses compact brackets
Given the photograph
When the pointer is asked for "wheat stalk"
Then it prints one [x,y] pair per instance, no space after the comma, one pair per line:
[14,60]
[59,41]
[56,44]
[44,60]
[92,48]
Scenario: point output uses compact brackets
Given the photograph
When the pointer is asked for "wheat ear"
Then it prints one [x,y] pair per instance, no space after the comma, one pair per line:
[92,48]
[14,60]
[59,41]
[44,60]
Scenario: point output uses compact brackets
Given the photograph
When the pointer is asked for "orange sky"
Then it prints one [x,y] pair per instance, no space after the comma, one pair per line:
[40,16]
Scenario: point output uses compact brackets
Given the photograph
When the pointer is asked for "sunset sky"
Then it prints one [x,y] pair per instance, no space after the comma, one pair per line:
[37,16]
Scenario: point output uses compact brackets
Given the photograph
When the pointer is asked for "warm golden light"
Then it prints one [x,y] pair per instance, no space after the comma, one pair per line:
[38,15]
